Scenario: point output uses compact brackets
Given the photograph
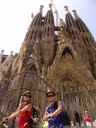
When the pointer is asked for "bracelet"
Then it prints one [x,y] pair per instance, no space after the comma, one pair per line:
[7,119]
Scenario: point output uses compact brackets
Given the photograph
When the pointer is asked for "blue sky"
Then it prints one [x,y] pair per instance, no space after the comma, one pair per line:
[15,18]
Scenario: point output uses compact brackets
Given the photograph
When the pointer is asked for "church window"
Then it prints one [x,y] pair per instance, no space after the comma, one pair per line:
[84,40]
[70,24]
[87,39]
[38,22]
[91,40]
[31,34]
[67,52]
[48,31]
[35,21]
[73,32]
[32,31]
[34,37]
[70,33]
[67,24]
[74,37]
[67,78]
[77,35]
[70,21]
[85,27]
[73,24]
[82,27]
[36,33]
[45,30]
[78,26]
[49,19]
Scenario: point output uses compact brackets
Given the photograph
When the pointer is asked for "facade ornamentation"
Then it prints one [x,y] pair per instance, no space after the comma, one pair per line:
[68,57]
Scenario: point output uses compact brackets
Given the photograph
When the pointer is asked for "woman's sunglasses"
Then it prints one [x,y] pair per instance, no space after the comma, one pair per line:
[50,96]
[27,96]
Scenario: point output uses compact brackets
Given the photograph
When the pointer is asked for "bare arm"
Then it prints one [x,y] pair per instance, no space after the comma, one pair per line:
[16,110]
[44,117]
[19,112]
[6,118]
[58,111]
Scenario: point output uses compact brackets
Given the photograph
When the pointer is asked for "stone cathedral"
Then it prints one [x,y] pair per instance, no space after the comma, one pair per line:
[64,54]
[68,57]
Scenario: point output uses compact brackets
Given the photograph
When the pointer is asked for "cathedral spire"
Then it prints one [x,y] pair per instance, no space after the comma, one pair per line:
[85,33]
[48,35]
[69,19]
[71,24]
[80,24]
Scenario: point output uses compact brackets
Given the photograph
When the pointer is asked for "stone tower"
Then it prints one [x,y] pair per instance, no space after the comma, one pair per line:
[67,57]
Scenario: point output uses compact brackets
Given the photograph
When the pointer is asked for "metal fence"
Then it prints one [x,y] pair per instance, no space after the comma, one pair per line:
[11,95]
[76,101]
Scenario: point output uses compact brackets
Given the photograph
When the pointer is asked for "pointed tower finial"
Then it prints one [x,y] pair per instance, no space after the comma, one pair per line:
[75,14]
[50,6]
[66,9]
[1,56]
[2,51]
[11,53]
[41,8]
[32,15]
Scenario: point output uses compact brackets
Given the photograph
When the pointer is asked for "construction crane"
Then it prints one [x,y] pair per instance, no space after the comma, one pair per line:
[56,12]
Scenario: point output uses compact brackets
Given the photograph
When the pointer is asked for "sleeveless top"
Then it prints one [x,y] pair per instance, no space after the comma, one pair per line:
[24,117]
[87,117]
[52,108]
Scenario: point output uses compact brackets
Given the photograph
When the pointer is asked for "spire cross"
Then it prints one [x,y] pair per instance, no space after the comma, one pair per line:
[66,9]
[74,12]
[50,6]
[41,8]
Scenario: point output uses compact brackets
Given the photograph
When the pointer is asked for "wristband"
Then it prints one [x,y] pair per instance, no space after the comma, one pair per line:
[6,119]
